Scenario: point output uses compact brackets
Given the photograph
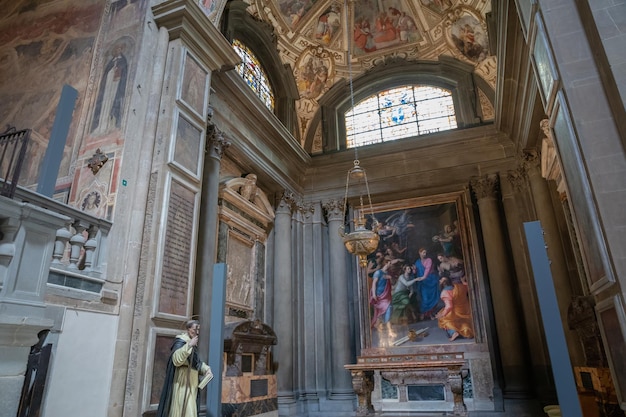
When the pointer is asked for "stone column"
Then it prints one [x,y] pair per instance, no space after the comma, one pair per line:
[503,287]
[283,303]
[216,144]
[516,208]
[341,381]
[558,263]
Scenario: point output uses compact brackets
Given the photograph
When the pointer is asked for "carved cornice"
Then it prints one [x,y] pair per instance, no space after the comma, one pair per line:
[486,186]
[185,19]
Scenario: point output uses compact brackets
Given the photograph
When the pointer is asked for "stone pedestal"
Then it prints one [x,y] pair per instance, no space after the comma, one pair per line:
[26,245]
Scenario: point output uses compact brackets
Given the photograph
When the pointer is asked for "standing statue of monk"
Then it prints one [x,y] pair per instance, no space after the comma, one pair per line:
[179,397]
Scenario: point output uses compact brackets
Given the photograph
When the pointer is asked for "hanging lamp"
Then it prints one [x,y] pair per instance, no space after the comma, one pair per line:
[361,241]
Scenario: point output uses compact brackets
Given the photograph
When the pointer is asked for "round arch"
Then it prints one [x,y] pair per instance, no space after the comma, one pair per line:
[447,73]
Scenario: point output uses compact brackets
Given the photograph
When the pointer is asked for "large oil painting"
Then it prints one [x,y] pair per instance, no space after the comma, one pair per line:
[416,287]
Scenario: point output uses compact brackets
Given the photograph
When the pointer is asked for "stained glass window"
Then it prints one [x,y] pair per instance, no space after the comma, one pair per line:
[398,113]
[253,74]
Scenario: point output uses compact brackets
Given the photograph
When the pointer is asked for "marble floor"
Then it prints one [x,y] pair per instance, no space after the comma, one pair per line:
[512,408]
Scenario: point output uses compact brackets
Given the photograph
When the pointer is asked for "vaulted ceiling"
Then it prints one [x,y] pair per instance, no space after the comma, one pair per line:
[312,38]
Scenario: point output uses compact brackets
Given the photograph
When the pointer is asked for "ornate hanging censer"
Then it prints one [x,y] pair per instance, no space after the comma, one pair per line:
[361,241]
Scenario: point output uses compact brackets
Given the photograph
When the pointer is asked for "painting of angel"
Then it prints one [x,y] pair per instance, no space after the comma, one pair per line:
[470,38]
[418,277]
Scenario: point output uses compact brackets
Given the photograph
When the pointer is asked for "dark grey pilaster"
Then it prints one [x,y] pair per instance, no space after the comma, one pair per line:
[341,380]
[502,284]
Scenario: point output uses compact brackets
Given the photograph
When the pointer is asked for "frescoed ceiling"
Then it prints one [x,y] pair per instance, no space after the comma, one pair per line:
[313,38]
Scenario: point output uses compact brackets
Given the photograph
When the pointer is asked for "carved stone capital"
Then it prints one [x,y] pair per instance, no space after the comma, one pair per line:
[308,210]
[517,179]
[286,202]
[531,161]
[334,209]
[216,144]
[485,187]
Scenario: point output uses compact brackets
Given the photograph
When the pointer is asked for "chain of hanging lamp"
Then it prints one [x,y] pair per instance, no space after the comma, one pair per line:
[361,241]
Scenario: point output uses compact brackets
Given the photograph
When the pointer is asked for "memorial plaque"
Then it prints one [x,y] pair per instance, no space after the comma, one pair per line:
[239,259]
[177,266]
[187,149]
[258,388]
[162,347]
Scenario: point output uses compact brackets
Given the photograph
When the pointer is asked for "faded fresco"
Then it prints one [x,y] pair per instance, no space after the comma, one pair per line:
[469,36]
[46,44]
[111,96]
[108,104]
[377,27]
[437,5]
[314,72]
[329,24]
[417,281]
[43,46]
[293,11]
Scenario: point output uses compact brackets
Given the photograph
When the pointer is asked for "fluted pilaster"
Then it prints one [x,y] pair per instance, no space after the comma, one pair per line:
[313,333]
[341,381]
[502,284]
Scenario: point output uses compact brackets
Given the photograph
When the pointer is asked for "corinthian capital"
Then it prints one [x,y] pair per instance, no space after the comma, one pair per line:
[485,187]
[334,209]
[517,179]
[286,202]
[216,144]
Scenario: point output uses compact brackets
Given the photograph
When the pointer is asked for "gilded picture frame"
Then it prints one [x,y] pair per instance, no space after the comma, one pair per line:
[403,292]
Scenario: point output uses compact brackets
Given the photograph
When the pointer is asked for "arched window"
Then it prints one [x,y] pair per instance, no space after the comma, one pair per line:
[398,113]
[253,74]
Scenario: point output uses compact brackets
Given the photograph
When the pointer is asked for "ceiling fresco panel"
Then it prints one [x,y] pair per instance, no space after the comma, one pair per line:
[313,35]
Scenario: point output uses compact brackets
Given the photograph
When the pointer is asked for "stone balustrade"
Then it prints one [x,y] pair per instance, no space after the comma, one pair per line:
[78,257]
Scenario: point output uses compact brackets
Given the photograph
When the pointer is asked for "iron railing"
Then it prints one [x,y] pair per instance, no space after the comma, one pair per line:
[13,145]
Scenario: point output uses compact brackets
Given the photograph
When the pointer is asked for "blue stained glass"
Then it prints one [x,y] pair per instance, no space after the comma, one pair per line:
[398,113]
[252,72]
